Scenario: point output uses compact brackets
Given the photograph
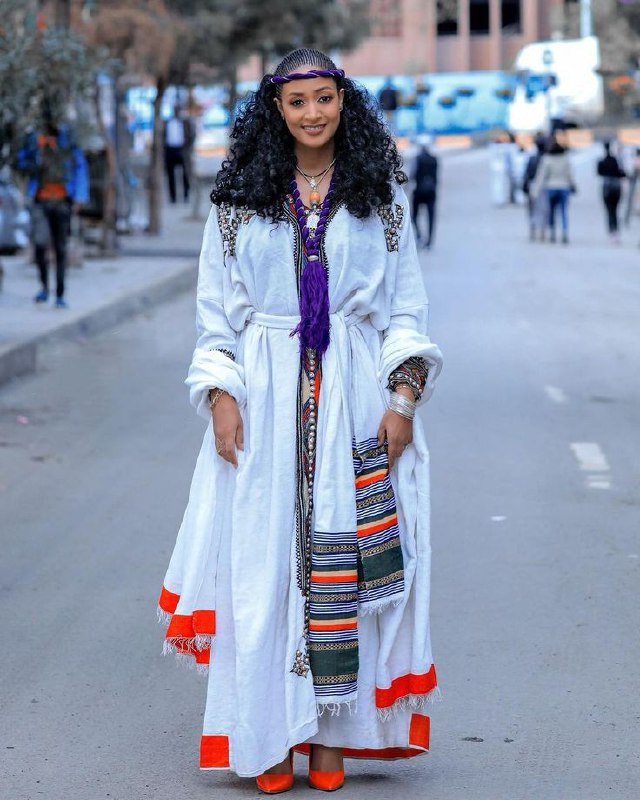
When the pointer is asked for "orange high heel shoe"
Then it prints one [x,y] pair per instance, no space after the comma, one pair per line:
[325,781]
[276,783]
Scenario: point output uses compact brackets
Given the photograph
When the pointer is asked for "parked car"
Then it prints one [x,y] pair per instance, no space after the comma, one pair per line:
[14,218]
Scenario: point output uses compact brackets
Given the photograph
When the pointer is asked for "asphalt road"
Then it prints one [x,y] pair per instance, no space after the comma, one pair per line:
[534,439]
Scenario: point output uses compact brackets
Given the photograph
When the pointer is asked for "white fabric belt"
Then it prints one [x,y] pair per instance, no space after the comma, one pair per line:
[290,322]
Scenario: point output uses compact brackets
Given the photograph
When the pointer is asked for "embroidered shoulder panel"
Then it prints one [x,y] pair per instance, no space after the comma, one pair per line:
[392,217]
[229,220]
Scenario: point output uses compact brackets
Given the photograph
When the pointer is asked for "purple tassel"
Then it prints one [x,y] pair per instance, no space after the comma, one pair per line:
[314,308]
[314,325]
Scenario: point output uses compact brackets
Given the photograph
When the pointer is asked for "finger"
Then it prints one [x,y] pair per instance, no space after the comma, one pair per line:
[382,435]
[228,453]
[233,456]
[240,436]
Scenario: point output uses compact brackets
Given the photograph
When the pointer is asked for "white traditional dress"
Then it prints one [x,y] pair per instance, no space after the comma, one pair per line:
[232,593]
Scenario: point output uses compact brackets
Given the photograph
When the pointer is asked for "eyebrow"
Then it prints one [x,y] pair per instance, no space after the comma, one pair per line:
[321,89]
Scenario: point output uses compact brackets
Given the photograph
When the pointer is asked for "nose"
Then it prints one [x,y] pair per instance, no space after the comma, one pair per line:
[314,112]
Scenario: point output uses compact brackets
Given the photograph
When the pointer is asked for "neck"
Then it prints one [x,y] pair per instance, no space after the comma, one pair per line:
[314,160]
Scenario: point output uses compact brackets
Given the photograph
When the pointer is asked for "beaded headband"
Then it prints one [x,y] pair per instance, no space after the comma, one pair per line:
[313,73]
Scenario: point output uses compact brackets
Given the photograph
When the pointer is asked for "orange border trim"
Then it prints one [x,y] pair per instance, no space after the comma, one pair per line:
[214,752]
[419,732]
[406,685]
[168,601]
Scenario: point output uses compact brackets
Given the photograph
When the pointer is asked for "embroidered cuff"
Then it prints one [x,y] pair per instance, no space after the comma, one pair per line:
[413,373]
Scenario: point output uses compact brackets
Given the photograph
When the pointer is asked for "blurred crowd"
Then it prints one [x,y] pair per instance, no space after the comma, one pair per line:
[541,178]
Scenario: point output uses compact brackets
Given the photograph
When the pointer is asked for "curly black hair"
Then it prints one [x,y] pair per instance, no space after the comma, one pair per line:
[261,160]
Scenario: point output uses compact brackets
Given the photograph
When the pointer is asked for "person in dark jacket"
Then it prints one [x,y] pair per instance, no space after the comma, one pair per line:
[58,184]
[425,193]
[178,139]
[611,172]
[388,99]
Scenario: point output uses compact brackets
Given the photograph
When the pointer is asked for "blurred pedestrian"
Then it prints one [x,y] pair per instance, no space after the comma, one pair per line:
[634,178]
[501,170]
[388,99]
[309,291]
[178,140]
[426,188]
[555,178]
[537,207]
[611,172]
[58,184]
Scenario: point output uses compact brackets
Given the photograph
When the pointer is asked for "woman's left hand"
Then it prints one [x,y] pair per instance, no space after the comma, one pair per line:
[396,430]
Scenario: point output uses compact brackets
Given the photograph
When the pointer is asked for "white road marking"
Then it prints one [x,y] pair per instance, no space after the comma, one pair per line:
[592,460]
[598,483]
[556,394]
[590,457]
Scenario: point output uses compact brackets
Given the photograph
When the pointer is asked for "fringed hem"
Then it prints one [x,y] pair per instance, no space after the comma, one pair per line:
[164,617]
[192,651]
[379,606]
[411,702]
[335,708]
[187,661]
[180,644]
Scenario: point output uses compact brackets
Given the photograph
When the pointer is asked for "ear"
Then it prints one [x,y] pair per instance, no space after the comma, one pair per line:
[278,103]
[341,99]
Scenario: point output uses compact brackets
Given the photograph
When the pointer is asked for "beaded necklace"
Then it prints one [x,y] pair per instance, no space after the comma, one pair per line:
[314,289]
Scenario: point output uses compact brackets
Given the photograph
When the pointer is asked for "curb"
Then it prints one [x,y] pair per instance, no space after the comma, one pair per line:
[22,359]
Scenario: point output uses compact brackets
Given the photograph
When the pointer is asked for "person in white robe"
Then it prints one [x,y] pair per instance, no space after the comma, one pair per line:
[300,578]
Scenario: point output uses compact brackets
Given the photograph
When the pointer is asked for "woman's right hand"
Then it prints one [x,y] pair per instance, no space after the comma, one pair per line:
[227,428]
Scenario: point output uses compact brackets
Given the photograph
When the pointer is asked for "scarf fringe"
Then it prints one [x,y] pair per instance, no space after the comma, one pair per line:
[334,709]
[189,663]
[379,606]
[164,617]
[412,702]
[186,644]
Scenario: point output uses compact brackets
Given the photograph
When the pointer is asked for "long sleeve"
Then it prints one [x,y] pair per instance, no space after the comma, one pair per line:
[213,363]
[406,333]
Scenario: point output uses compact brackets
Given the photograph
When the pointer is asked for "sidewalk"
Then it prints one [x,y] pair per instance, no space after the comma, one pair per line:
[101,293]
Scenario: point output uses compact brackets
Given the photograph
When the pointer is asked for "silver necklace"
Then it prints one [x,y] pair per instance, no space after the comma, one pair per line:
[315,180]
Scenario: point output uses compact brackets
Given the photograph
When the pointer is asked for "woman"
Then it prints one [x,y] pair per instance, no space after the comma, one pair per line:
[300,577]
[555,177]
[611,172]
[536,204]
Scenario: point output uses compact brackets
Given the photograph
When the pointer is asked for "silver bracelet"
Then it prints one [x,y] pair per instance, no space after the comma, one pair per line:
[402,405]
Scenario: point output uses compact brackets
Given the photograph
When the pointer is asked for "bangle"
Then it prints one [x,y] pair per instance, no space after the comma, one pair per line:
[402,405]
[214,396]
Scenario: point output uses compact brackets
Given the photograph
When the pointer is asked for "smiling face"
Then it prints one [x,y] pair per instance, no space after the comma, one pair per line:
[311,109]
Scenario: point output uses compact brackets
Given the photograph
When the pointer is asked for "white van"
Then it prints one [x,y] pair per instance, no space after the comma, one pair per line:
[557,81]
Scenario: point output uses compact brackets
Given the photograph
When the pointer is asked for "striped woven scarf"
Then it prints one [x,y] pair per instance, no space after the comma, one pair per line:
[353,571]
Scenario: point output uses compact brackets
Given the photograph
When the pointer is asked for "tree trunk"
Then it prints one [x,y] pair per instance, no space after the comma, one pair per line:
[156,162]
[233,92]
[109,243]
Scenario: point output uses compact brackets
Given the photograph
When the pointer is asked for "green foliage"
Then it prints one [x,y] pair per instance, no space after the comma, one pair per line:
[220,34]
[42,73]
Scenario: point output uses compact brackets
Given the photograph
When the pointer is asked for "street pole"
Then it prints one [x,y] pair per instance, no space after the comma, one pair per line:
[586,23]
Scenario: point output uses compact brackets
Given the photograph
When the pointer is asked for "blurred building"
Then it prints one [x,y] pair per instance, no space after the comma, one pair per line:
[414,36]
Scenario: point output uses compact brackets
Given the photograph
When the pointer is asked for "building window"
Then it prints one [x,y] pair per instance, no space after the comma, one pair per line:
[511,23]
[447,17]
[479,17]
[387,17]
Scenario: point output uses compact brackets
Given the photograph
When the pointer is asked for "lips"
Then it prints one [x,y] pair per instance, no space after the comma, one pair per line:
[313,130]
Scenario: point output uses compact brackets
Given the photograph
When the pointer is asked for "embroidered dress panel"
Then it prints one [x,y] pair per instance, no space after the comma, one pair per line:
[333,614]
[380,566]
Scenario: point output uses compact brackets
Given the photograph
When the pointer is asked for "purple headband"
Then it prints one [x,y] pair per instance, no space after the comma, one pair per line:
[313,73]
